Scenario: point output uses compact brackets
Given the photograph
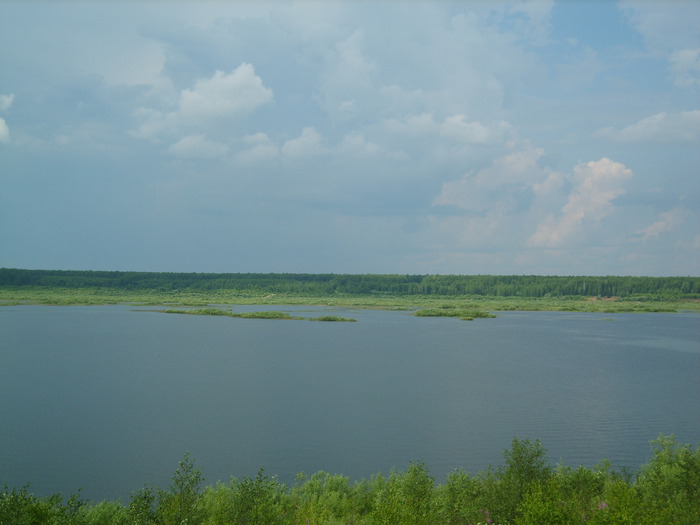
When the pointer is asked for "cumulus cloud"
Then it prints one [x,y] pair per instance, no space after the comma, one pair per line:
[4,132]
[357,144]
[685,64]
[596,185]
[458,128]
[508,181]
[224,95]
[670,31]
[663,28]
[411,125]
[212,101]
[197,147]
[6,101]
[258,147]
[348,72]
[305,145]
[537,21]
[453,138]
[667,222]
[132,61]
[662,127]
[476,212]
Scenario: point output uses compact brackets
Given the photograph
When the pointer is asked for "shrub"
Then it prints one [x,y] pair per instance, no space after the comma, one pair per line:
[525,467]
[406,498]
[181,502]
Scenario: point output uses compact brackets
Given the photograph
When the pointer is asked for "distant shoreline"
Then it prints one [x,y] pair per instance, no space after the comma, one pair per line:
[441,294]
[13,295]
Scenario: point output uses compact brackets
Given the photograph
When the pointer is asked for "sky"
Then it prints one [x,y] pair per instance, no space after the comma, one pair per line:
[404,137]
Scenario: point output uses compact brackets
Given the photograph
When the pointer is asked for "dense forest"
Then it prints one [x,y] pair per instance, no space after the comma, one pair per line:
[525,490]
[328,284]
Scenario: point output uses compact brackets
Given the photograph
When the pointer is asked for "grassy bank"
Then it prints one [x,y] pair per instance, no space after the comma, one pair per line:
[525,490]
[267,314]
[87,296]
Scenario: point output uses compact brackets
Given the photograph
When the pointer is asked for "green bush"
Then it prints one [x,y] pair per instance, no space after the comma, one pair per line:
[256,501]
[460,499]
[181,503]
[525,468]
[20,507]
[406,498]
[669,485]
[525,490]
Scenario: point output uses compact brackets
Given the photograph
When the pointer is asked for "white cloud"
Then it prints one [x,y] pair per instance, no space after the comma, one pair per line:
[455,138]
[224,95]
[305,145]
[459,129]
[670,30]
[4,132]
[664,26]
[259,148]
[6,101]
[411,125]
[197,147]
[662,127]
[488,206]
[348,73]
[685,64]
[357,144]
[135,61]
[596,185]
[498,185]
[667,222]
[212,101]
[538,16]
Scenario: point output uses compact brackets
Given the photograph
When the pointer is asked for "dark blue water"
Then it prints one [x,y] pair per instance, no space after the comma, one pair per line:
[108,398]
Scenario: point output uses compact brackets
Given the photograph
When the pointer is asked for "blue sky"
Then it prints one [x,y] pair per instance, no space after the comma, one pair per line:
[351,137]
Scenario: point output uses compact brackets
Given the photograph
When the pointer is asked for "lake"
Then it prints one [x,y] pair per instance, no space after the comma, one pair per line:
[108,398]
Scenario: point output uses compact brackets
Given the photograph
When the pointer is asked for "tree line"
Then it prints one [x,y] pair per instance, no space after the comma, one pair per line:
[525,490]
[362,284]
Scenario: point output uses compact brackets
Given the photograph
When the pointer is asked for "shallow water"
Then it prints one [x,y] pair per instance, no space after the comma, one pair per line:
[109,397]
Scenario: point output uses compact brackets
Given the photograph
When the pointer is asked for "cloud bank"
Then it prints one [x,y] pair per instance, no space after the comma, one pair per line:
[478,137]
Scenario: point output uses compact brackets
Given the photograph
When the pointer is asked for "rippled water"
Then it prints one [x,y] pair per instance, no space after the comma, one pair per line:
[110,397]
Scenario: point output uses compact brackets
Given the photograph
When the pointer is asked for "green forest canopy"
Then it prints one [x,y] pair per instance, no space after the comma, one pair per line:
[361,284]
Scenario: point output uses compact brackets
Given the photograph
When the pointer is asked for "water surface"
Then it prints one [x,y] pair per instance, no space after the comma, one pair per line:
[109,397]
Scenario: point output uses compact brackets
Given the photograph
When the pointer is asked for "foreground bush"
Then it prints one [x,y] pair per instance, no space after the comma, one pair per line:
[524,490]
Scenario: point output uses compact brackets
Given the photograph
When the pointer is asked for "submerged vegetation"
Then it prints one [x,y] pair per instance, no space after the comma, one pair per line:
[525,490]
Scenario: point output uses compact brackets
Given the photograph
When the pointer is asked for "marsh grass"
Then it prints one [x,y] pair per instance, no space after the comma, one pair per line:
[201,311]
[255,315]
[333,318]
[464,315]
[228,313]
[266,315]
